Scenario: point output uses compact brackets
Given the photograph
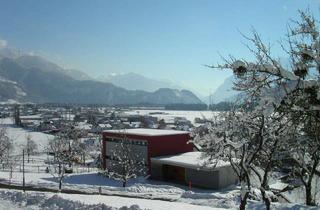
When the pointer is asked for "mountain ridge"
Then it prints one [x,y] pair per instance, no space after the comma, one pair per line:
[42,81]
[224,92]
[134,81]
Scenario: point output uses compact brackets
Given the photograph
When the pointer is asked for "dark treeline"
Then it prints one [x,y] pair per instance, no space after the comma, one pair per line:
[221,106]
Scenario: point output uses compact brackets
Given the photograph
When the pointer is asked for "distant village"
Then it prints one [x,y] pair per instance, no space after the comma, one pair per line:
[90,121]
[50,118]
[150,145]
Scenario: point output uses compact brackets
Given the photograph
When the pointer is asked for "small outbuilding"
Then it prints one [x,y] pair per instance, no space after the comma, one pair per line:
[189,168]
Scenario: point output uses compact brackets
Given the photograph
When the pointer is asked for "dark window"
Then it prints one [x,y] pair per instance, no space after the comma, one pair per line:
[129,141]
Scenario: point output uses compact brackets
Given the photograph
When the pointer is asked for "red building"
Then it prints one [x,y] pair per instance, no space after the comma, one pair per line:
[149,142]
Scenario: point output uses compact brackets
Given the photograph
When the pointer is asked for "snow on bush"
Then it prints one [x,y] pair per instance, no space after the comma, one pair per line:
[149,188]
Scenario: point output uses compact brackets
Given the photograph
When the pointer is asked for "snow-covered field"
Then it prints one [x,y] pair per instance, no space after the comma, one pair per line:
[147,194]
[19,136]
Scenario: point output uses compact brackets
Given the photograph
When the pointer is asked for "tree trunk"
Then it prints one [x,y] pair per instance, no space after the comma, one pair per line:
[124,184]
[60,184]
[243,201]
[84,159]
[265,198]
[309,198]
[59,169]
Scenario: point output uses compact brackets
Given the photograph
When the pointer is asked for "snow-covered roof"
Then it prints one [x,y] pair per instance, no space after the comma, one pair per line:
[147,132]
[30,117]
[278,186]
[105,125]
[193,160]
[84,126]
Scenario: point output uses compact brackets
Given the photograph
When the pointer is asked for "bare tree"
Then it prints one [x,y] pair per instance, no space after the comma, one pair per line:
[306,154]
[250,141]
[289,93]
[228,140]
[6,146]
[31,147]
[125,163]
[274,140]
[79,149]
[12,162]
[62,158]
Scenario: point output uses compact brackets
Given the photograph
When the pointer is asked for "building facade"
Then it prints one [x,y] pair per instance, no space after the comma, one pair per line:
[191,169]
[147,143]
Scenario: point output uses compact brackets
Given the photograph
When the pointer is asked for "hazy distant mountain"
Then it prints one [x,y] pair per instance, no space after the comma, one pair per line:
[34,79]
[38,62]
[77,75]
[33,61]
[223,93]
[167,94]
[133,81]
[10,90]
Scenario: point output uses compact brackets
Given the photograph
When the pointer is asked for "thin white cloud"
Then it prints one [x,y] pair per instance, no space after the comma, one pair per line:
[3,43]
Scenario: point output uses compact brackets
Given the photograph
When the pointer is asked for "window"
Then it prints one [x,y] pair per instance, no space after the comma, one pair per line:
[129,141]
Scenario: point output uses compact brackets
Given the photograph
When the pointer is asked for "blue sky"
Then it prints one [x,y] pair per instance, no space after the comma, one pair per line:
[164,39]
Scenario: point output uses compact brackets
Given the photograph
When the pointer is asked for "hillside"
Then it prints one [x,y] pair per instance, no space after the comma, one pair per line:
[223,93]
[134,81]
[34,79]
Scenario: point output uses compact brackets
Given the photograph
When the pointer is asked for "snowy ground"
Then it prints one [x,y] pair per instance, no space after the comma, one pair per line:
[147,194]
[13,200]
[91,181]
[142,191]
[19,136]
[35,200]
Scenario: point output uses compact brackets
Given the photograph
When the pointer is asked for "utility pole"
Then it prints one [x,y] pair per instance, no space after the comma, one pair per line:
[23,177]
